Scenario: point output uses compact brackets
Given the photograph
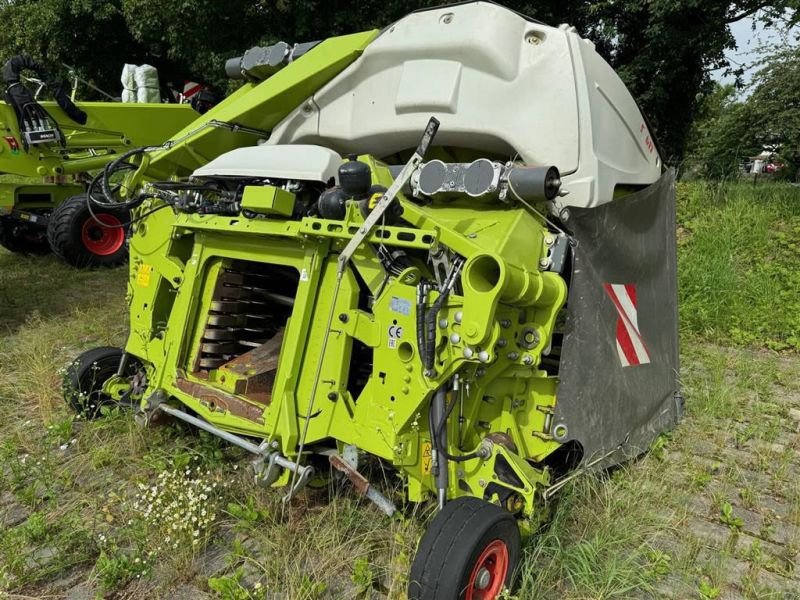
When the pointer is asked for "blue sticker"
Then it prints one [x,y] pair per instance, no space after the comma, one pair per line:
[401,305]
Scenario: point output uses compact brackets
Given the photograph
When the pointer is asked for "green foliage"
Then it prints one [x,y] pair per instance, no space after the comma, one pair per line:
[708,591]
[247,514]
[228,587]
[739,263]
[728,128]
[362,575]
[726,517]
[775,103]
[115,568]
[722,135]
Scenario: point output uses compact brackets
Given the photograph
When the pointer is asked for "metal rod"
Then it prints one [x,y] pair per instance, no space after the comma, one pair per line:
[382,502]
[225,435]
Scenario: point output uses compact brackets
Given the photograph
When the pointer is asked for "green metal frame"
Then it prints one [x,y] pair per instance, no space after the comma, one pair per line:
[492,334]
[111,129]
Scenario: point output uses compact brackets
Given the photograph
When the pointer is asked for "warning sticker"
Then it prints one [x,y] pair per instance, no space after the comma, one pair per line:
[427,458]
[12,144]
[143,275]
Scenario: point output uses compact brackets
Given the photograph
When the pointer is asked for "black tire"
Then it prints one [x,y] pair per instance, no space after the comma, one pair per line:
[80,241]
[22,239]
[454,549]
[85,376]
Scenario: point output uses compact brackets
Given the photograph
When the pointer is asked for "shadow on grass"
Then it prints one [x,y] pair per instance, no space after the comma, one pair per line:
[42,285]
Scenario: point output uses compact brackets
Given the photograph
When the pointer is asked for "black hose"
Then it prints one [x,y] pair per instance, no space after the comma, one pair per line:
[422,294]
[436,430]
[11,76]
[90,199]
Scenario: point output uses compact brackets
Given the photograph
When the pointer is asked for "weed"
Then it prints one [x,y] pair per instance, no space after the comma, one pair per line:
[229,587]
[362,575]
[247,514]
[707,590]
[727,517]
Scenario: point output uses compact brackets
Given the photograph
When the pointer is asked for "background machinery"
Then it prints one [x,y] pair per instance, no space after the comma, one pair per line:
[448,244]
[47,151]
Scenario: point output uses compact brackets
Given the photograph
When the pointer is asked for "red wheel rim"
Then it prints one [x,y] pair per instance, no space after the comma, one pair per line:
[100,240]
[489,573]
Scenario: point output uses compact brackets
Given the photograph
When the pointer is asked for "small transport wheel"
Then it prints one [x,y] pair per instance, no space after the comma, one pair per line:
[85,376]
[470,551]
[21,238]
[83,240]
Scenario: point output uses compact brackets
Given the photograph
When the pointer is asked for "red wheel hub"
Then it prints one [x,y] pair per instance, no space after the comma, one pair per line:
[489,573]
[100,240]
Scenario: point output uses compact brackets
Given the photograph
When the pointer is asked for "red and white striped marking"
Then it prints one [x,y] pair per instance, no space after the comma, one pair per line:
[190,88]
[630,345]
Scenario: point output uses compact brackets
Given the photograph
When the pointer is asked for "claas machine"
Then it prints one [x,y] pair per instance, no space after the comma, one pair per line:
[58,143]
[447,245]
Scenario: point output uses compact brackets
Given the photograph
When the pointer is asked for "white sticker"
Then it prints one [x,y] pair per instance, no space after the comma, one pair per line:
[303,275]
[392,342]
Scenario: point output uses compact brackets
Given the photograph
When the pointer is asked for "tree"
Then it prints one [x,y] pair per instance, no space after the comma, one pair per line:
[775,104]
[721,136]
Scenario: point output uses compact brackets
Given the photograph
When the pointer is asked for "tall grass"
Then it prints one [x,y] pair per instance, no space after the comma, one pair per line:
[739,263]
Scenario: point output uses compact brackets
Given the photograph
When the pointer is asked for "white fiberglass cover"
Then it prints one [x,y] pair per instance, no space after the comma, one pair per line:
[299,162]
[494,80]
[499,84]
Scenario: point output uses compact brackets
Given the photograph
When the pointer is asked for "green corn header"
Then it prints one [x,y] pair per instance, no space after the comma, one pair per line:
[447,245]
[43,141]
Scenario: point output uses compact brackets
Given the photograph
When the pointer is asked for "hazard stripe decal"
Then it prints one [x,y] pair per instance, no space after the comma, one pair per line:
[631,348]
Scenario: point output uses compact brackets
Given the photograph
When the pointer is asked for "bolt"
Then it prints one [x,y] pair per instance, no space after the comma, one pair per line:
[407,379]
[481,482]
[455,338]
[458,316]
[527,359]
[483,579]
[483,356]
[549,240]
[468,352]
[480,372]
[343,317]
[512,355]
[501,343]
[442,323]
[332,396]
[505,323]
[544,261]
[405,390]
[472,329]
[531,337]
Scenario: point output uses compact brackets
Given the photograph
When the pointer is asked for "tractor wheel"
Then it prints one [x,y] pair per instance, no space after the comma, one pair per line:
[85,376]
[81,241]
[21,239]
[470,551]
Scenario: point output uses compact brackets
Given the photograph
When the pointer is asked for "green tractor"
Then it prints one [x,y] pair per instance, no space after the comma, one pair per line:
[59,143]
[447,245]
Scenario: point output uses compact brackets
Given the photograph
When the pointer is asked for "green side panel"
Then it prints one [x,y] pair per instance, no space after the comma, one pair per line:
[111,128]
[258,106]
[35,196]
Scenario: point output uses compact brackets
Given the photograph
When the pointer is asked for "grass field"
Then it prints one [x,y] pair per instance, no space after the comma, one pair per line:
[713,511]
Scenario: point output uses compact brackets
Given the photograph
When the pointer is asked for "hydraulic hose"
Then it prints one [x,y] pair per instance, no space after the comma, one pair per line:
[11,76]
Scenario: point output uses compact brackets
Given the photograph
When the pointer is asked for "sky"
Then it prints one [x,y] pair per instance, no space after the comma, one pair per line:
[750,46]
